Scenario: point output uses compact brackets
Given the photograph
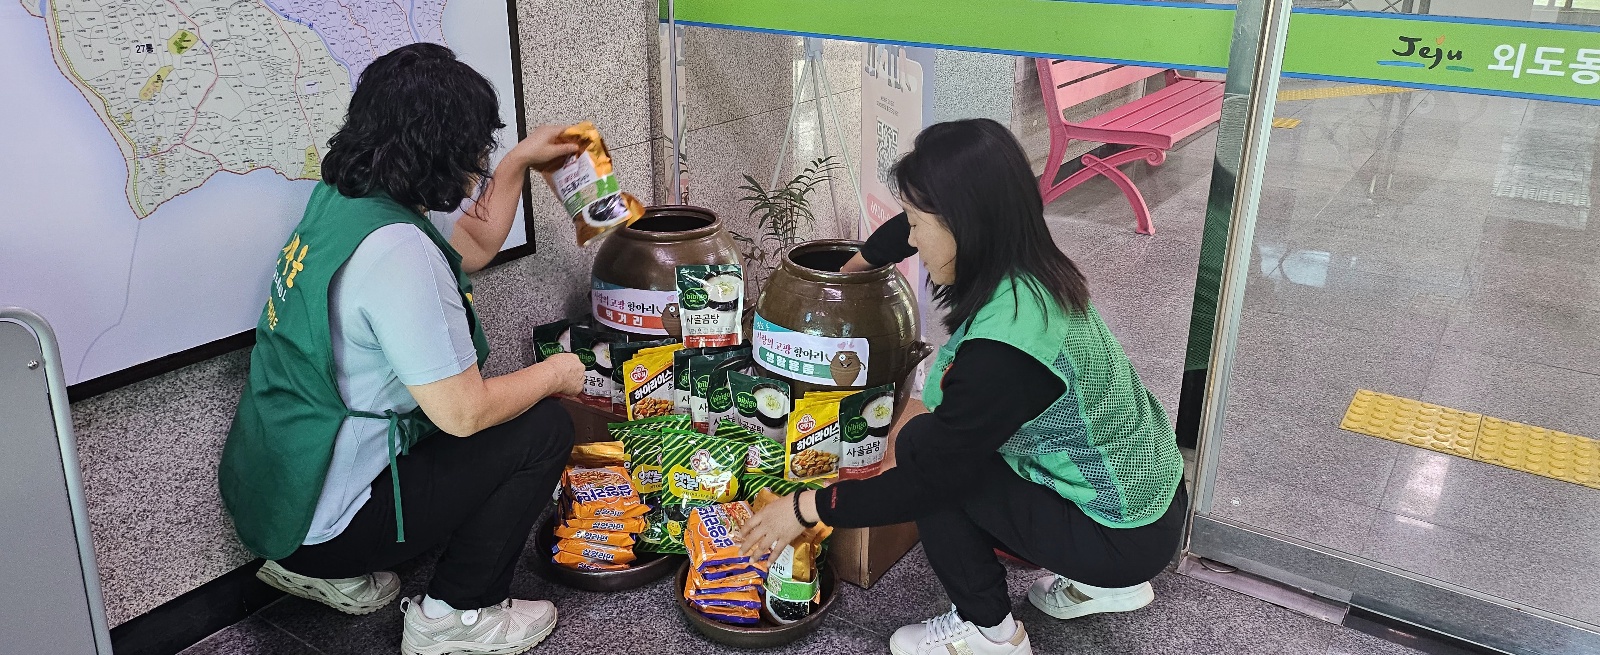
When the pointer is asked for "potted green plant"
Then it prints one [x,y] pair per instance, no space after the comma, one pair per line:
[779,213]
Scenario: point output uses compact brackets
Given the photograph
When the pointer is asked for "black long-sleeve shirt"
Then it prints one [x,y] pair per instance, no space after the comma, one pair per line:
[889,243]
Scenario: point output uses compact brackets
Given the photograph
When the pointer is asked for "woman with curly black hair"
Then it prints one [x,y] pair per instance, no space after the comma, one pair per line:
[369,344]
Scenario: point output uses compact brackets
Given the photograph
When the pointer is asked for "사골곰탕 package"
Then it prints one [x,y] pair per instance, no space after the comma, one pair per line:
[592,345]
[621,353]
[711,305]
[552,339]
[601,493]
[763,456]
[647,381]
[681,381]
[812,448]
[700,369]
[760,404]
[865,418]
[588,187]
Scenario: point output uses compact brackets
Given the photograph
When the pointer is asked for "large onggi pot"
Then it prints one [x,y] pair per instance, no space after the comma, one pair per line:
[635,282]
[819,328]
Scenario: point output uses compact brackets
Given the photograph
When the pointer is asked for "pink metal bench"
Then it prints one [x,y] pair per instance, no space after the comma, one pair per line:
[1151,124]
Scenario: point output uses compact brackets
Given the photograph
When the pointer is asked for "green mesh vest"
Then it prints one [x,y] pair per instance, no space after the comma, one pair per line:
[281,442]
[1105,444]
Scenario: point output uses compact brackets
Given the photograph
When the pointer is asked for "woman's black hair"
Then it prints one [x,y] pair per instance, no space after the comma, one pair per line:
[973,175]
[420,128]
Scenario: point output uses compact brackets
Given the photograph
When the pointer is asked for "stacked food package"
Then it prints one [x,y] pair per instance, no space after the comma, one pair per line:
[722,584]
[601,519]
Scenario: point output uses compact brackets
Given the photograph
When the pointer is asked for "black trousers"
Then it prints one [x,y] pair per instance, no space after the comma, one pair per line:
[478,495]
[1002,510]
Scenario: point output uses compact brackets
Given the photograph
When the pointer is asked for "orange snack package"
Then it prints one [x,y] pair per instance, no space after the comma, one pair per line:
[582,563]
[588,188]
[596,552]
[606,537]
[602,493]
[710,534]
[632,525]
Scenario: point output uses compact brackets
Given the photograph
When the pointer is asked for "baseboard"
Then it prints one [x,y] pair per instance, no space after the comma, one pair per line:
[184,621]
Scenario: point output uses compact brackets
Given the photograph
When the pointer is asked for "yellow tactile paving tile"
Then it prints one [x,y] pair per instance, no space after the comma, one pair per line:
[1340,91]
[1527,448]
[1286,123]
[1540,451]
[1412,422]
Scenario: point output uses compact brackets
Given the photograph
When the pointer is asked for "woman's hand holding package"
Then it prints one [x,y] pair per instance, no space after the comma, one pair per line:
[542,148]
[482,232]
[775,525]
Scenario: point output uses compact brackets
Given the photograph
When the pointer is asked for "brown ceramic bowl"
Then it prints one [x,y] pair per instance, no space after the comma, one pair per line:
[648,568]
[761,635]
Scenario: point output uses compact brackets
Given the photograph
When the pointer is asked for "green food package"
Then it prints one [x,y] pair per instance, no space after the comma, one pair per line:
[865,418]
[763,456]
[752,485]
[761,405]
[552,338]
[621,353]
[681,384]
[711,304]
[592,345]
[697,470]
[700,370]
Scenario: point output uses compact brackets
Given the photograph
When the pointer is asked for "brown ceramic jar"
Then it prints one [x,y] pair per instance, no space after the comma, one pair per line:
[635,287]
[818,327]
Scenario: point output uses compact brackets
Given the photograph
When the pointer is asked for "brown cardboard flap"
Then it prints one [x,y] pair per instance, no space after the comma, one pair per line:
[862,555]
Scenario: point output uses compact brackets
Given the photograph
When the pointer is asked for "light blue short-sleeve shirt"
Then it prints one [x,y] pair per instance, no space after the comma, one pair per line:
[397,320]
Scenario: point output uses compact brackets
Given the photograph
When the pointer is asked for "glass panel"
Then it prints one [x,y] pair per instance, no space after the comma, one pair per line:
[1434,247]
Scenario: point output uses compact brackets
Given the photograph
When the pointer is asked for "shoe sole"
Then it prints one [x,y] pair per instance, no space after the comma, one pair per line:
[471,648]
[1024,648]
[317,593]
[1123,603]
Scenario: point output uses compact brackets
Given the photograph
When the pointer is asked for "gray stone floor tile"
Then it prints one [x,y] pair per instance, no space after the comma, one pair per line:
[254,636]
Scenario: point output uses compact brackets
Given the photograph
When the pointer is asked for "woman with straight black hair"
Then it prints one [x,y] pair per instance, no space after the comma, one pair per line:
[1040,440]
[343,459]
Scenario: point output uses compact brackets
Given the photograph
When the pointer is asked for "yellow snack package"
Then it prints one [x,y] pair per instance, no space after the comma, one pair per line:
[588,187]
[648,382]
[598,454]
[711,534]
[602,493]
[813,447]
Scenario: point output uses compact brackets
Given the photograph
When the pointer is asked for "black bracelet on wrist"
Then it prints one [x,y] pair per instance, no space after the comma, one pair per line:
[801,517]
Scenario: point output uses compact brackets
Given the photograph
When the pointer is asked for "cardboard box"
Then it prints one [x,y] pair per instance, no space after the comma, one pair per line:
[589,422]
[862,555]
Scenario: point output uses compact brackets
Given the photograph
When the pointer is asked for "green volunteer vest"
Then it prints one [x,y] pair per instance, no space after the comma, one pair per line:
[281,442]
[1105,444]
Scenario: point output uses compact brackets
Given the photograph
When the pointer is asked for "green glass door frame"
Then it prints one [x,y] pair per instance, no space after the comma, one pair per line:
[1427,52]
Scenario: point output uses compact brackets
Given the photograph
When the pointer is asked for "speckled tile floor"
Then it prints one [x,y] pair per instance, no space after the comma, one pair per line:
[1188,617]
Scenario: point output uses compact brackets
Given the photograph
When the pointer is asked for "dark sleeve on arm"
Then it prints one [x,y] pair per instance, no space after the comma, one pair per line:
[990,390]
[890,243]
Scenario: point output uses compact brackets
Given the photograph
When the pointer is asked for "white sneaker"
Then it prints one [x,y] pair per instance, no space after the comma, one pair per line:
[949,633]
[363,595]
[505,629]
[1065,599]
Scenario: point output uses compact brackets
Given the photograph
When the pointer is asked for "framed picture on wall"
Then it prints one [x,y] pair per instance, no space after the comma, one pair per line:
[159,154]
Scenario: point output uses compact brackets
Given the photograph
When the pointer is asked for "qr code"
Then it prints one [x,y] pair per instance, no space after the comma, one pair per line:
[888,150]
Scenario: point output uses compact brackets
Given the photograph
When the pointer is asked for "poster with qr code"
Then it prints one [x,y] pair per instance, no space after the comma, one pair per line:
[891,117]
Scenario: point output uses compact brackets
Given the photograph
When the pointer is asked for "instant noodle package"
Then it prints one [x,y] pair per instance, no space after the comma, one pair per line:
[722,584]
[602,513]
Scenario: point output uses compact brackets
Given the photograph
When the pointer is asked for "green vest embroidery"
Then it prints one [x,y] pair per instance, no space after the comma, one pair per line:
[281,442]
[1105,444]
